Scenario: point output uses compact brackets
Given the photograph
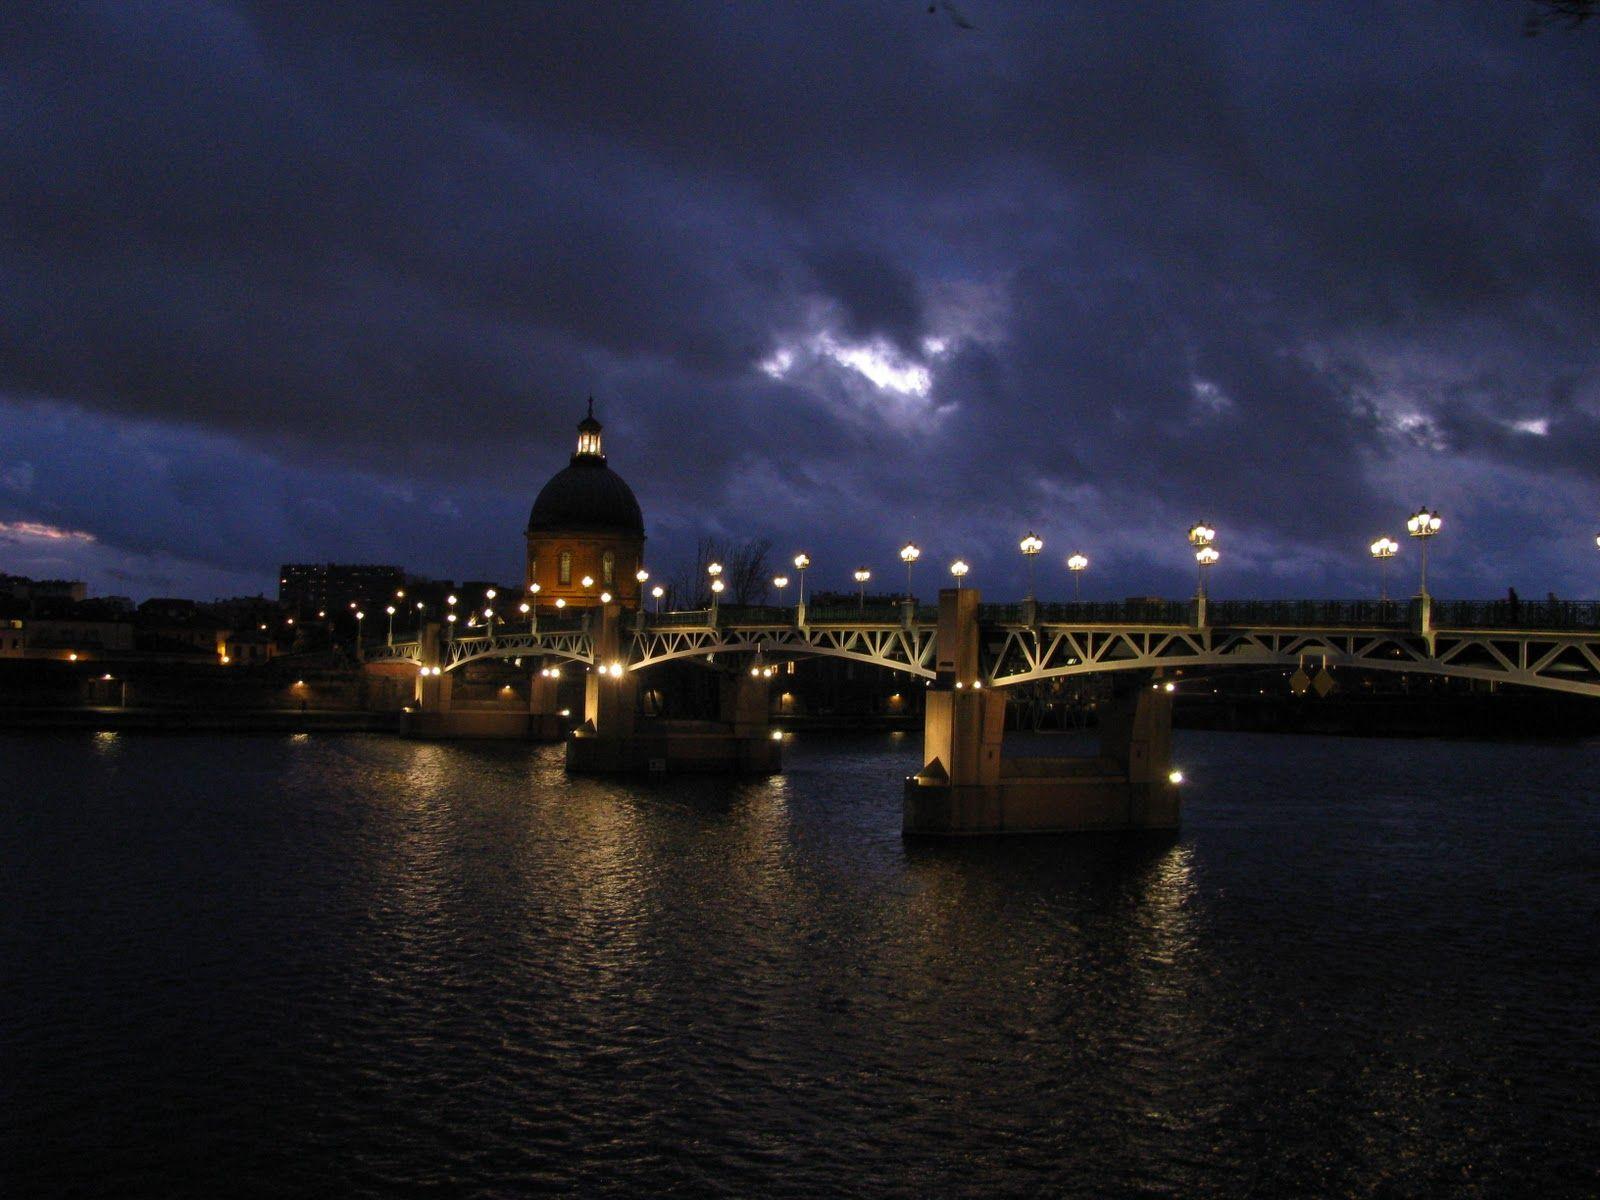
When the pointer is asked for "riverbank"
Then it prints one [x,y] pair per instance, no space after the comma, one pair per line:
[159,720]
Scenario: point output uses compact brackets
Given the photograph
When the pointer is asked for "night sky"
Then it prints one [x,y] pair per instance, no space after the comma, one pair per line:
[326,282]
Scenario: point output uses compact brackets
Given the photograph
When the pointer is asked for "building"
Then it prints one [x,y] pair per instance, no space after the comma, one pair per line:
[585,533]
[20,587]
[307,588]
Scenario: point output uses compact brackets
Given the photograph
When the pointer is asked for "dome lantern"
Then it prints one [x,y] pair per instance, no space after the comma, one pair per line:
[589,436]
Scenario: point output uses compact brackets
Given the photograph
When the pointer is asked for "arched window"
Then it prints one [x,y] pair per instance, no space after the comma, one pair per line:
[566,566]
[608,567]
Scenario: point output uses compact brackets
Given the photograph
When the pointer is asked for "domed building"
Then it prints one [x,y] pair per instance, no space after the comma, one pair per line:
[585,533]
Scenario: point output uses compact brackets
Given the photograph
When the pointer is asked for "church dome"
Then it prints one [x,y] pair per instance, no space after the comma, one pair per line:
[588,495]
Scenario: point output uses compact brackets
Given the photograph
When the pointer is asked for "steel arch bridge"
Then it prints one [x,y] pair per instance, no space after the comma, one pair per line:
[1016,650]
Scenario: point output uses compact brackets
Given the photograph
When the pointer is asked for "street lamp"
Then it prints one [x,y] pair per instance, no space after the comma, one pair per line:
[959,569]
[801,562]
[1204,557]
[780,582]
[1424,525]
[1201,536]
[450,627]
[862,575]
[909,553]
[714,569]
[488,619]
[1383,550]
[390,611]
[1030,546]
[1077,564]
[360,617]
[525,608]
[658,591]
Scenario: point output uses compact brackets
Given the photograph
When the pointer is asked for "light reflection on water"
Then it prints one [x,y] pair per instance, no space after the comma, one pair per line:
[359,966]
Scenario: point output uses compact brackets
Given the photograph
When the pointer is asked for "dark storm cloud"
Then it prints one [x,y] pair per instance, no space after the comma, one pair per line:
[839,275]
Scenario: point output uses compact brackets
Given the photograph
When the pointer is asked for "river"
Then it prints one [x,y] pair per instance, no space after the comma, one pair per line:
[357,966]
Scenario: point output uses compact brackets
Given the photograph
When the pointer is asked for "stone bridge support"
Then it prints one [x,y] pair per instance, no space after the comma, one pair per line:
[966,787]
[545,722]
[433,691]
[614,738]
[610,693]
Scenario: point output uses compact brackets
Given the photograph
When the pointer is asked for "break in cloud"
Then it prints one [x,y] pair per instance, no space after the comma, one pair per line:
[287,282]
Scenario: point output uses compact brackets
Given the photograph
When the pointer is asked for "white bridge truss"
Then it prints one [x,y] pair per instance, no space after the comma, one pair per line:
[1564,661]
[1559,661]
[897,647]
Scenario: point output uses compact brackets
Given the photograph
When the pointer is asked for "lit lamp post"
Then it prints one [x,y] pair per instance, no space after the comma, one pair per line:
[1030,546]
[715,571]
[780,582]
[862,575]
[1201,536]
[658,591]
[360,617]
[1423,525]
[801,562]
[525,609]
[641,577]
[1077,564]
[1383,550]
[909,553]
[450,627]
[959,569]
[390,611]
[1204,558]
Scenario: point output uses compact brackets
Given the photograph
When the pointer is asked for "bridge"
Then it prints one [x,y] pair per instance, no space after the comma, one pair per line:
[1549,645]
[968,653]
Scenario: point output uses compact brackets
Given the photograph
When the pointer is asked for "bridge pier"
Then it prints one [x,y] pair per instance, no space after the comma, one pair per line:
[966,787]
[545,722]
[615,739]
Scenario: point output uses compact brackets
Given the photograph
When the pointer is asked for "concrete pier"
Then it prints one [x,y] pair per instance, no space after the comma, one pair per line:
[614,738]
[966,787]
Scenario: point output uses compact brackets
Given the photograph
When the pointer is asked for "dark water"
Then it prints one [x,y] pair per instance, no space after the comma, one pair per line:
[355,966]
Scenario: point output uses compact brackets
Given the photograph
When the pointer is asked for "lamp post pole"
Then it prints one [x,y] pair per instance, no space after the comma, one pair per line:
[1201,536]
[1383,550]
[1030,546]
[909,553]
[1077,564]
[1423,525]
[862,575]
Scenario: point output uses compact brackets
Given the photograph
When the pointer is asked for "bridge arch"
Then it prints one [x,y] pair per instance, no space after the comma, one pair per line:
[1558,662]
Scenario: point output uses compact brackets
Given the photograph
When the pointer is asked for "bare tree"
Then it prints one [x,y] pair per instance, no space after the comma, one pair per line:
[745,573]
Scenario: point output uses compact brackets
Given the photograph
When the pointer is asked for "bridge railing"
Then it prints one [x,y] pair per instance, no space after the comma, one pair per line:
[690,618]
[855,614]
[1522,614]
[1380,613]
[1091,612]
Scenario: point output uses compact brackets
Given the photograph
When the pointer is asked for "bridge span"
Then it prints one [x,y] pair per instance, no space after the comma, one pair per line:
[968,654]
[1554,646]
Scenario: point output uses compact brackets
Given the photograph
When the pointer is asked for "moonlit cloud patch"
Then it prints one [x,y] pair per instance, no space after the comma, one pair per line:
[351,302]
[39,531]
